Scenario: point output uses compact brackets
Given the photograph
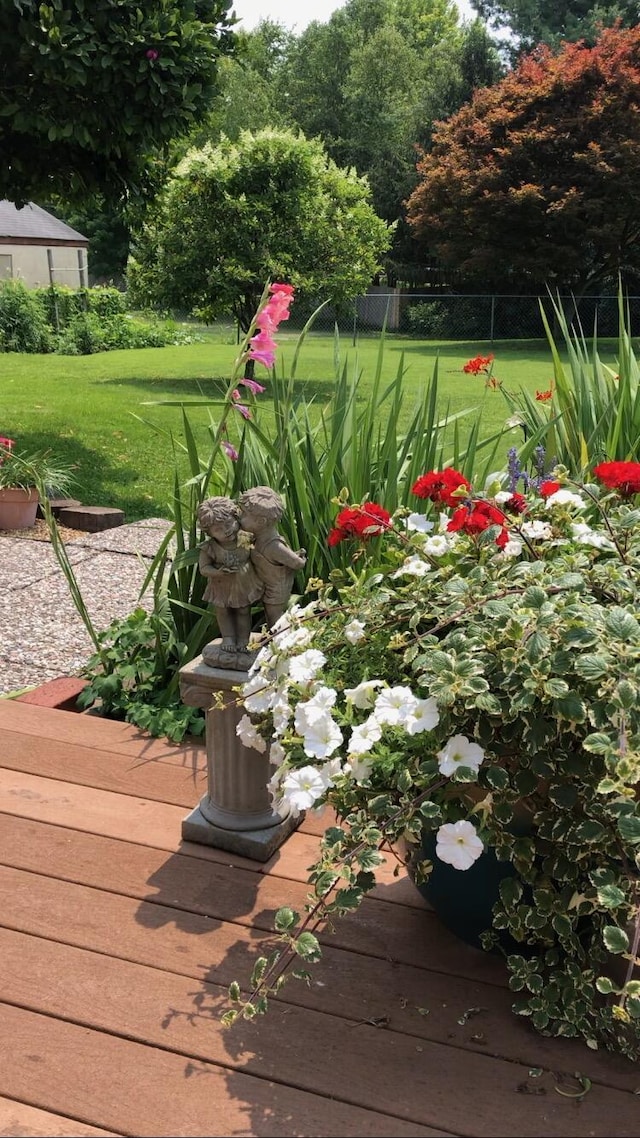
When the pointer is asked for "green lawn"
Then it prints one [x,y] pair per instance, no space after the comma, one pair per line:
[83,407]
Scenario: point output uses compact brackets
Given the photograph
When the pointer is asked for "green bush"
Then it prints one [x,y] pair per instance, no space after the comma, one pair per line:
[428,318]
[88,333]
[23,324]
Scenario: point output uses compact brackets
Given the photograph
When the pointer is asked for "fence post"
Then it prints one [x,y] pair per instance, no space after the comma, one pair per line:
[355,322]
[53,290]
[493,318]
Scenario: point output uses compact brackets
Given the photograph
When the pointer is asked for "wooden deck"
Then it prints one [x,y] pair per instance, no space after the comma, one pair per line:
[118,941]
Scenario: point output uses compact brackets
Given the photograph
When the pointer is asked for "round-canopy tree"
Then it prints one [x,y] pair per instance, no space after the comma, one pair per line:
[272,205]
[536,180]
[90,87]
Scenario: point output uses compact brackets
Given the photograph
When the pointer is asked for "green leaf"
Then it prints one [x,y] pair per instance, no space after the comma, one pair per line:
[234,991]
[629,827]
[308,947]
[622,624]
[615,939]
[605,985]
[591,666]
[571,707]
[286,919]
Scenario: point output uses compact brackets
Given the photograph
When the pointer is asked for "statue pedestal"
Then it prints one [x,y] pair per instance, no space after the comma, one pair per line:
[236,814]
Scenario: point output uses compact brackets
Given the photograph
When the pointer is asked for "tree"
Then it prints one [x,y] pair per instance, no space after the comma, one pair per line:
[91,87]
[553,21]
[535,181]
[270,206]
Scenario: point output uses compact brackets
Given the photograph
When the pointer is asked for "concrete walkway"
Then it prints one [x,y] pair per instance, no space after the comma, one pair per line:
[41,635]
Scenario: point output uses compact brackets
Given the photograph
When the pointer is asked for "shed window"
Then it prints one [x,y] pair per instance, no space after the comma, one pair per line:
[6,266]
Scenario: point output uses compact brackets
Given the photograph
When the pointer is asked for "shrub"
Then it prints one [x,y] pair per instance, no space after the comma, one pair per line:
[428,318]
[23,325]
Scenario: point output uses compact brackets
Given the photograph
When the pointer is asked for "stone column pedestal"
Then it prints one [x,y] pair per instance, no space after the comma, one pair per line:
[236,813]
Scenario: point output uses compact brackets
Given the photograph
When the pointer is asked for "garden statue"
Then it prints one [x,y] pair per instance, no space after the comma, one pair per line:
[273,560]
[244,560]
[232,582]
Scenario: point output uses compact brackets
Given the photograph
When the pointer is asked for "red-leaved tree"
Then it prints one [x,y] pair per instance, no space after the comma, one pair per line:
[536,181]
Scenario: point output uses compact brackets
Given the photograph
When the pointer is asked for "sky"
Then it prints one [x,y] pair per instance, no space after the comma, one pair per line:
[296,14]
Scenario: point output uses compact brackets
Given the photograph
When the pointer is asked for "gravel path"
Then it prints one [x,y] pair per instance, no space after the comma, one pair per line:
[41,634]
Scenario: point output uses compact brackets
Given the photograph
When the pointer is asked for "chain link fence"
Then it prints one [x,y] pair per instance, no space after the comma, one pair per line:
[463,316]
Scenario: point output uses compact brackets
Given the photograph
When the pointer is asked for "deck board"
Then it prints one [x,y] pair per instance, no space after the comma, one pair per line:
[118,942]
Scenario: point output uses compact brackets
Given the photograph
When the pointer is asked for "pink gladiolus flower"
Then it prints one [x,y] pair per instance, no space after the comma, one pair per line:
[230,451]
[254,388]
[244,411]
[263,348]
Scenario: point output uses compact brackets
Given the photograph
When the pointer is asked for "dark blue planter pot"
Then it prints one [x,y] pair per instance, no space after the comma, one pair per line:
[464,899]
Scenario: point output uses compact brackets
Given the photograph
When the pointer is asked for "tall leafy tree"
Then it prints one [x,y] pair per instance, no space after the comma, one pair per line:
[91,87]
[272,205]
[552,21]
[535,181]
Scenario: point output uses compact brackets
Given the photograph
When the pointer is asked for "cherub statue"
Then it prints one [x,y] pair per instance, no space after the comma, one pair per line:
[232,582]
[274,562]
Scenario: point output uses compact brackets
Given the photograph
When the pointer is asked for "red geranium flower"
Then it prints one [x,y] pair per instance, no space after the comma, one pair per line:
[476,517]
[363,521]
[439,486]
[516,504]
[548,488]
[621,476]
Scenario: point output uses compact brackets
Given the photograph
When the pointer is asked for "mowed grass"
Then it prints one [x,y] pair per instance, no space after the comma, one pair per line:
[84,408]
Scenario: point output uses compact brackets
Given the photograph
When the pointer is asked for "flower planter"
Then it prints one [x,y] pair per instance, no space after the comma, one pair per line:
[18,507]
[464,900]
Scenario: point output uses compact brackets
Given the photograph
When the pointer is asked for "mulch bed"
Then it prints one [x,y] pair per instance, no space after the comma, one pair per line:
[39,532]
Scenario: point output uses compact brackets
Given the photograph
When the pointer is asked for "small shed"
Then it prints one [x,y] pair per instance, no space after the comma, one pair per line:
[37,248]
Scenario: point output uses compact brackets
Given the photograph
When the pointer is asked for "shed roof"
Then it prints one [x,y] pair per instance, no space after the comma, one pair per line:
[32,222]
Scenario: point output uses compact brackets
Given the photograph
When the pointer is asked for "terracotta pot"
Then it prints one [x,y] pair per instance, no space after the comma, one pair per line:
[18,507]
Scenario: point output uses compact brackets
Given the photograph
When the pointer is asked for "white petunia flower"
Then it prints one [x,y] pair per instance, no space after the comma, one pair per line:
[281,713]
[413,567]
[311,709]
[566,498]
[502,496]
[301,788]
[305,667]
[277,753]
[322,737]
[584,535]
[423,716]
[360,768]
[419,523]
[536,530]
[354,631]
[437,545]
[458,844]
[258,695]
[394,705]
[363,695]
[364,736]
[249,736]
[459,752]
[513,548]
[263,660]
[292,638]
